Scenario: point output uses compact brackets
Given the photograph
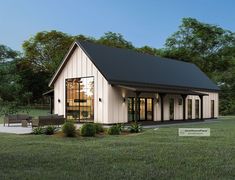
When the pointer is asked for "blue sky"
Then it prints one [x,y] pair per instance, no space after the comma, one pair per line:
[143,22]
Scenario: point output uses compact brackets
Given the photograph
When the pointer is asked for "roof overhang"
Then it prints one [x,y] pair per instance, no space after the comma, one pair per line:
[153,87]
[49,93]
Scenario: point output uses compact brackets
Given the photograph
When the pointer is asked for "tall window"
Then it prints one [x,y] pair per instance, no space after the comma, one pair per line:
[196,109]
[189,108]
[172,107]
[80,99]
[212,108]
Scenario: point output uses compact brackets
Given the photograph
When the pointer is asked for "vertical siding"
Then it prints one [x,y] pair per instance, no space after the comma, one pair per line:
[118,110]
[79,65]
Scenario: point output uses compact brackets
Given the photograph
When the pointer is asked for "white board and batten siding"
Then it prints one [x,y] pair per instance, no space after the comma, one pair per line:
[79,65]
[113,108]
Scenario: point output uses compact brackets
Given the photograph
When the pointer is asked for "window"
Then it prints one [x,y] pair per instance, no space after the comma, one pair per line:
[80,99]
[180,101]
[131,110]
[172,107]
[197,109]
[212,108]
[189,108]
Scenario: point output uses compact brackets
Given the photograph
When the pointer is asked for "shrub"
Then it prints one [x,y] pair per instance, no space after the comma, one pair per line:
[69,129]
[135,127]
[120,126]
[98,128]
[88,130]
[38,130]
[114,130]
[49,130]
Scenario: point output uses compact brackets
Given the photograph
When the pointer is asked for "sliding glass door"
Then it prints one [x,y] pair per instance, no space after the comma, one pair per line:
[144,109]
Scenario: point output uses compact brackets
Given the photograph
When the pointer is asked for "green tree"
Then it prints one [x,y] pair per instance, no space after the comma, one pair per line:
[148,50]
[115,40]
[212,49]
[201,43]
[44,51]
[9,88]
[43,54]
[7,54]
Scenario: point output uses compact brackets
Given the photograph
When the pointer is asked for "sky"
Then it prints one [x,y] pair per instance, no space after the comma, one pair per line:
[143,22]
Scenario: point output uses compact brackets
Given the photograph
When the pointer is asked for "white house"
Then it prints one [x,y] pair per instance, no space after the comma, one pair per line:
[108,85]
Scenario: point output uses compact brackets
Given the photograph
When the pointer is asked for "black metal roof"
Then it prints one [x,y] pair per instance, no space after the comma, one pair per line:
[122,66]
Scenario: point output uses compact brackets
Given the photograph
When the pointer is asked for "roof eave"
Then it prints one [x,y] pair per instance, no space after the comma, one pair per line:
[161,86]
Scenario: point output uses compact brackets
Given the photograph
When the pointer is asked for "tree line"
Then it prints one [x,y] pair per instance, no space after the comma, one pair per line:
[24,76]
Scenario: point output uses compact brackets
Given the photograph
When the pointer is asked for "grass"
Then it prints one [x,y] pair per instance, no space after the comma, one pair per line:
[153,154]
[32,112]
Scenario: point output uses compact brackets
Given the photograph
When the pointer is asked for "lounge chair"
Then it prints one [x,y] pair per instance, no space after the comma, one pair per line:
[14,119]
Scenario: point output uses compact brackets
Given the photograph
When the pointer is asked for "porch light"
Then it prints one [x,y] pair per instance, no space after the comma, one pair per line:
[100,100]
[157,98]
[58,100]
[124,100]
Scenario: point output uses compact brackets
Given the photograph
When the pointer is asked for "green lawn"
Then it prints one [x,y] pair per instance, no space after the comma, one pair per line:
[153,154]
[32,112]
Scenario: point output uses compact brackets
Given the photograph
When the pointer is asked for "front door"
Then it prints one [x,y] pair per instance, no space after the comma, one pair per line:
[172,107]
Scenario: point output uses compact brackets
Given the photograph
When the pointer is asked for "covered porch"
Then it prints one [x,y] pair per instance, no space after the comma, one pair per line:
[163,105]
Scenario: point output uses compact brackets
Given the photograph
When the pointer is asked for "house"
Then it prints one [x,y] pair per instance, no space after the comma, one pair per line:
[101,84]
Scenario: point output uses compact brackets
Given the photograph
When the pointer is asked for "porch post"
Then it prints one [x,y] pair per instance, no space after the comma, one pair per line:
[137,93]
[184,105]
[201,99]
[162,95]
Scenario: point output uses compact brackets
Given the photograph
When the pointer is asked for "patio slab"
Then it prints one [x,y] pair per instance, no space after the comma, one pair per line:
[15,129]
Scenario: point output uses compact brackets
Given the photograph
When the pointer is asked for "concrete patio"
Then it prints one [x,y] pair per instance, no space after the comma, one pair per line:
[15,129]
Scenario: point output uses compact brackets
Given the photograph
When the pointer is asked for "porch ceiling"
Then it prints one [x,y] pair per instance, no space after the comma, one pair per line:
[161,90]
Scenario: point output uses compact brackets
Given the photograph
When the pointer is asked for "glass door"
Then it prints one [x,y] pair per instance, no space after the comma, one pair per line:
[131,112]
[144,109]
[149,109]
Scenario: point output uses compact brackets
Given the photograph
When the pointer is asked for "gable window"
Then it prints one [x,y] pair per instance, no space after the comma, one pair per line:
[80,99]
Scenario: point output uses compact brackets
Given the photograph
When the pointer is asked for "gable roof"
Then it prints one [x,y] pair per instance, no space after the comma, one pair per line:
[122,66]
